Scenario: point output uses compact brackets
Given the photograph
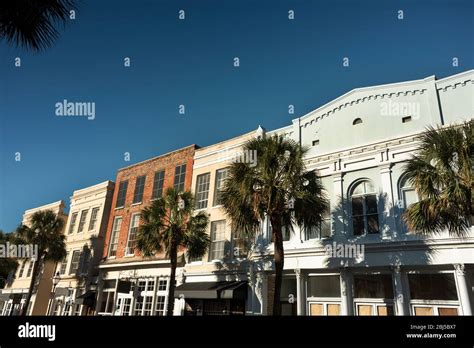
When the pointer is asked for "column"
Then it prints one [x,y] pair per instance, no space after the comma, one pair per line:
[300,295]
[399,291]
[346,292]
[463,289]
[337,202]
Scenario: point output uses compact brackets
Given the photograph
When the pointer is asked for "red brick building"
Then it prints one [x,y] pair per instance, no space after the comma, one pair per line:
[131,284]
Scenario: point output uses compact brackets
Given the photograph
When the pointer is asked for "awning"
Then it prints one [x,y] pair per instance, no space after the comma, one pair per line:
[86,298]
[212,290]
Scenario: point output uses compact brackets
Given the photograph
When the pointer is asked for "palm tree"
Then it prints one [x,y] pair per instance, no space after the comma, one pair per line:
[277,187]
[7,265]
[32,23]
[46,232]
[170,225]
[441,173]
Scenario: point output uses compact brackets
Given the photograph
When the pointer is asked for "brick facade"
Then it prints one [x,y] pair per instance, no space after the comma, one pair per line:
[167,162]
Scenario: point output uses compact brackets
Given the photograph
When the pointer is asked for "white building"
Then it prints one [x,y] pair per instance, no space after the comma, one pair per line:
[358,145]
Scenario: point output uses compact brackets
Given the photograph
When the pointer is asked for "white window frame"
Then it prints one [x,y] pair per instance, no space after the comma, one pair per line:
[115,235]
[132,219]
[97,209]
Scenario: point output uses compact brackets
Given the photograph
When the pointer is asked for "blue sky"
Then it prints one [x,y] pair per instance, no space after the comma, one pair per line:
[190,62]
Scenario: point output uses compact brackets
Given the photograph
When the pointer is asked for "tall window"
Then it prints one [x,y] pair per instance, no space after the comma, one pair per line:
[408,194]
[323,230]
[95,212]
[30,268]
[82,221]
[365,218]
[132,234]
[221,175]
[62,269]
[72,225]
[76,259]
[122,193]
[217,248]
[114,238]
[202,190]
[139,187]
[179,176]
[158,183]
[22,269]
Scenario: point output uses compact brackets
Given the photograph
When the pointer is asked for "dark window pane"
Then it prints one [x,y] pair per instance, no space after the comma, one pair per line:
[358,225]
[324,286]
[357,206]
[373,224]
[326,228]
[202,190]
[373,286]
[179,176]
[432,286]
[221,175]
[371,204]
[121,194]
[139,187]
[158,183]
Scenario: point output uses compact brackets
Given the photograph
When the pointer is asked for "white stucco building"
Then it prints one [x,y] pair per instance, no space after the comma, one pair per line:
[358,145]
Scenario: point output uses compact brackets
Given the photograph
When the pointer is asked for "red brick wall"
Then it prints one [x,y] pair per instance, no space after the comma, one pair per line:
[168,162]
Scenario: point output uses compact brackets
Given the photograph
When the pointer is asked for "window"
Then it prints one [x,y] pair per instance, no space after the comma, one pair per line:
[324,286]
[406,119]
[202,190]
[62,269]
[72,225]
[373,286]
[82,221]
[132,234]
[323,230]
[221,175]
[357,121]
[179,176]
[160,305]
[158,183]
[76,258]
[139,187]
[115,236]
[85,260]
[162,285]
[107,302]
[30,268]
[216,251]
[315,142]
[441,286]
[122,193]
[364,209]
[408,194]
[95,212]
[22,269]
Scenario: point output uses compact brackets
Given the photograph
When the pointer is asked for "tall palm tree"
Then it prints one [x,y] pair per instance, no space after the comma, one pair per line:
[279,188]
[32,23]
[45,231]
[170,224]
[441,173]
[7,265]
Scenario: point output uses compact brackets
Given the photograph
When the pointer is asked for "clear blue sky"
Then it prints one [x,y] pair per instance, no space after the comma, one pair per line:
[190,62]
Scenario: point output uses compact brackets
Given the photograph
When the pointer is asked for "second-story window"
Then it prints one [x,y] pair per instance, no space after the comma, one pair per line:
[72,225]
[323,230]
[365,217]
[114,236]
[93,221]
[179,176]
[132,234]
[158,183]
[76,258]
[139,187]
[217,247]
[122,193]
[30,268]
[82,221]
[221,175]
[22,269]
[202,190]
[62,269]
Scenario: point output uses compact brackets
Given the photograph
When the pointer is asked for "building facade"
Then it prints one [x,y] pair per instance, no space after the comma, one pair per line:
[17,291]
[363,260]
[130,284]
[216,283]
[85,231]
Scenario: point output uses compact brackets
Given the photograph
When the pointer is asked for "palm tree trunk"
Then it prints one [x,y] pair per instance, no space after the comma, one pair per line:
[279,259]
[32,285]
[174,262]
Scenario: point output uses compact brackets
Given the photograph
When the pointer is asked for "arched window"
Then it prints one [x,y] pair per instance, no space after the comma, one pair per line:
[365,217]
[357,121]
[408,195]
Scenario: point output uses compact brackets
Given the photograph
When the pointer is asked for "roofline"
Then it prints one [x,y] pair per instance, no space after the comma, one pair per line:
[204,148]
